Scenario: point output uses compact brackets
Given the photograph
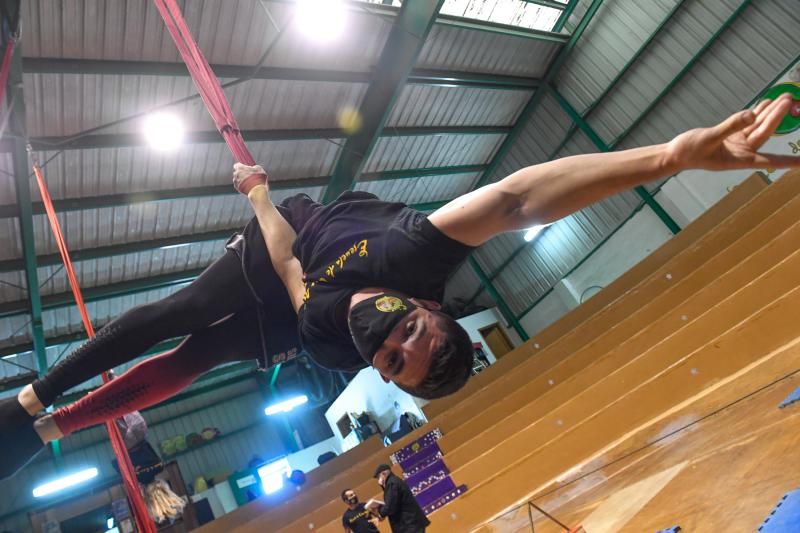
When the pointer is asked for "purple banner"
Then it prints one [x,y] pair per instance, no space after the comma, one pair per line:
[425,473]
[446,498]
[427,478]
[435,492]
[422,455]
[422,465]
[424,441]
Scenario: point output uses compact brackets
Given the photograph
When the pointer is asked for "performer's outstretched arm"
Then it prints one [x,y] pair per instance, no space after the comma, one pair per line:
[278,234]
[543,193]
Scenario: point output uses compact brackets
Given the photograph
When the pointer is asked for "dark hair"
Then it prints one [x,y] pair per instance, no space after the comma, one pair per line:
[344,499]
[451,364]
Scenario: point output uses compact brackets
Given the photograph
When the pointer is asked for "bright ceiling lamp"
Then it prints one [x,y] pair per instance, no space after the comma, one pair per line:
[163,131]
[534,231]
[321,20]
[286,406]
[60,484]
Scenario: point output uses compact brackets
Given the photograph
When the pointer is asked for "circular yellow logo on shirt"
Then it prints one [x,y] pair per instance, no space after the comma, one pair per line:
[389,304]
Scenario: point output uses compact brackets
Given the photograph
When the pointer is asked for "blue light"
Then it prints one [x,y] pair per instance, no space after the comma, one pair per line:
[60,484]
[286,406]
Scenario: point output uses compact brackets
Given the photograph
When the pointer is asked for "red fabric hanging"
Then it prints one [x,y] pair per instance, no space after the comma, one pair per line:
[138,508]
[6,66]
[204,79]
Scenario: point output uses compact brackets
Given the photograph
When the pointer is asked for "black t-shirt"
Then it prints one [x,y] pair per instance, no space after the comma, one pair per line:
[357,520]
[353,243]
[358,242]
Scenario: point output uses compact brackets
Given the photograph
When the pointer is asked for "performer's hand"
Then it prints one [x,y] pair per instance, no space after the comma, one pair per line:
[246,178]
[735,143]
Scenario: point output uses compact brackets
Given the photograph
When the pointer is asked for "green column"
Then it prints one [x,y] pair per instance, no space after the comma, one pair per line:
[19,157]
[405,41]
[643,193]
[508,314]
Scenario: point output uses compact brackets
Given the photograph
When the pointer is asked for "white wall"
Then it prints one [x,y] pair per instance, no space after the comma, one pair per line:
[634,241]
[548,310]
[473,323]
[368,393]
[306,459]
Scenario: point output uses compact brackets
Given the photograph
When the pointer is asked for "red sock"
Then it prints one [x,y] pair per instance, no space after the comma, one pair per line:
[146,384]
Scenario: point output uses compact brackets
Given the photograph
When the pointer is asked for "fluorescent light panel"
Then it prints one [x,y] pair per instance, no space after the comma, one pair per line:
[60,484]
[286,406]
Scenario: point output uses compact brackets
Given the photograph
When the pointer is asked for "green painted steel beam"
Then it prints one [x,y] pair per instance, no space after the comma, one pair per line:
[621,74]
[274,378]
[132,140]
[24,379]
[477,80]
[501,303]
[679,76]
[565,15]
[600,144]
[533,103]
[431,206]
[13,265]
[420,172]
[45,65]
[496,272]
[116,200]
[399,54]
[16,126]
[114,290]
[22,172]
[18,381]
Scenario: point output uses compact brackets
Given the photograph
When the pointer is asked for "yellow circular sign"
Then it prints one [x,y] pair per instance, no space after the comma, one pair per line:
[389,304]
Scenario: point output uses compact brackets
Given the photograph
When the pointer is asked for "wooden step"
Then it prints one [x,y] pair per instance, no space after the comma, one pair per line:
[578,439]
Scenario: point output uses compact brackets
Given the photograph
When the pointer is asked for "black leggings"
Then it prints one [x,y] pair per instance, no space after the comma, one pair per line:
[217,310]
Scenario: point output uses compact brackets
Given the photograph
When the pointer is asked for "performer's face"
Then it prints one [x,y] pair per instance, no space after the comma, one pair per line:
[406,354]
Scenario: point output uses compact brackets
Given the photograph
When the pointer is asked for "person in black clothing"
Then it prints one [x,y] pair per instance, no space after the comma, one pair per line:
[353,283]
[399,505]
[357,518]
